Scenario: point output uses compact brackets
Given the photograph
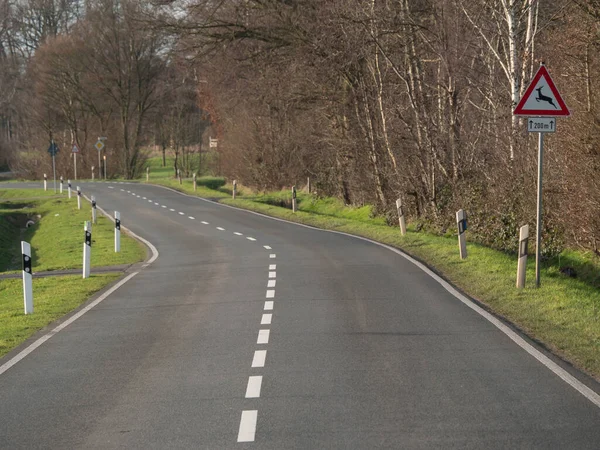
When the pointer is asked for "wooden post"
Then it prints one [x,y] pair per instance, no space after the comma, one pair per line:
[195,183]
[147,174]
[234,189]
[461,222]
[93,173]
[523,251]
[179,175]
[308,185]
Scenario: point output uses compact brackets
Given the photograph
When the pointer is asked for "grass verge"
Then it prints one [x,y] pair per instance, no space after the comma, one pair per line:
[53,298]
[56,237]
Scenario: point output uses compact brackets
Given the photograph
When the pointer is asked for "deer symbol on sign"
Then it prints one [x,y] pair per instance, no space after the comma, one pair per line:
[543,98]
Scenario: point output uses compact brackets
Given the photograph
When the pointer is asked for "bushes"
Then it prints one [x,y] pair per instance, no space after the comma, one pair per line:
[211,182]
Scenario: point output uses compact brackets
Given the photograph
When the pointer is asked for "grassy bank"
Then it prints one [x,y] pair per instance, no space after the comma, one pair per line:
[53,298]
[56,239]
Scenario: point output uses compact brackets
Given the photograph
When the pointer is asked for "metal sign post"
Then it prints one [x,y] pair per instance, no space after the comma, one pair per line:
[541,104]
[53,150]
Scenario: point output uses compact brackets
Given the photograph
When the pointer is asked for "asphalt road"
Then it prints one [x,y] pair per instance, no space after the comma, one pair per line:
[321,341]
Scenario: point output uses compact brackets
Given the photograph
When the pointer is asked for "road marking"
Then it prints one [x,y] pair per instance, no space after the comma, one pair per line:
[128,192]
[144,198]
[250,238]
[271,283]
[272,256]
[122,190]
[190,217]
[220,229]
[149,201]
[248,426]
[263,336]
[259,358]
[164,206]
[181,214]
[171,209]
[157,204]
[110,187]
[254,385]
[269,305]
[11,362]
[270,294]
[267,247]
[272,274]
[266,319]
[272,266]
[205,223]
[237,234]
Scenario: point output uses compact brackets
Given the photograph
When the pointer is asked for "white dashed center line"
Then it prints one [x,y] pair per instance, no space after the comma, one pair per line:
[110,187]
[273,267]
[259,358]
[237,234]
[253,388]
[266,320]
[220,229]
[270,294]
[164,206]
[205,223]
[263,336]
[271,283]
[272,274]
[267,247]
[144,198]
[190,217]
[171,209]
[247,426]
[272,256]
[250,238]
[269,305]
[157,204]
[181,214]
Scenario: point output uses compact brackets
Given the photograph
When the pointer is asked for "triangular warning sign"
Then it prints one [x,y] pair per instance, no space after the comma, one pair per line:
[541,98]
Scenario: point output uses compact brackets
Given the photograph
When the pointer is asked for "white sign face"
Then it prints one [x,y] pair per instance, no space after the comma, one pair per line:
[99,145]
[541,124]
[213,143]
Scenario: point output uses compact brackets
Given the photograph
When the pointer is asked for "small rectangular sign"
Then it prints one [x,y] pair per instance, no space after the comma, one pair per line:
[541,124]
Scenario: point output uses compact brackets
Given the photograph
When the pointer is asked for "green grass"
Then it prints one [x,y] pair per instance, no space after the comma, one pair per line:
[53,297]
[57,237]
[6,194]
[564,313]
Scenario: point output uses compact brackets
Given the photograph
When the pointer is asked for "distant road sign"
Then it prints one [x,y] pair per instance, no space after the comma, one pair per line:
[541,124]
[75,148]
[541,98]
[53,149]
[99,145]
[212,143]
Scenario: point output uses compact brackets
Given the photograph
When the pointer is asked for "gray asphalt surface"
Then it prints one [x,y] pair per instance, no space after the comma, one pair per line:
[366,351]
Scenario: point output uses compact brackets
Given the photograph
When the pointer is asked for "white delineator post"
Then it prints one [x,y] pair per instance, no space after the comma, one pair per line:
[523,252]
[69,187]
[78,198]
[87,249]
[308,185]
[461,222]
[117,231]
[194,177]
[27,277]
[294,204]
[61,184]
[93,209]
[234,192]
[401,217]
[45,182]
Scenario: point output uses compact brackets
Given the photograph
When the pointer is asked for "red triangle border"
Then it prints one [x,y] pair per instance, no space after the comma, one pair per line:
[562,112]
